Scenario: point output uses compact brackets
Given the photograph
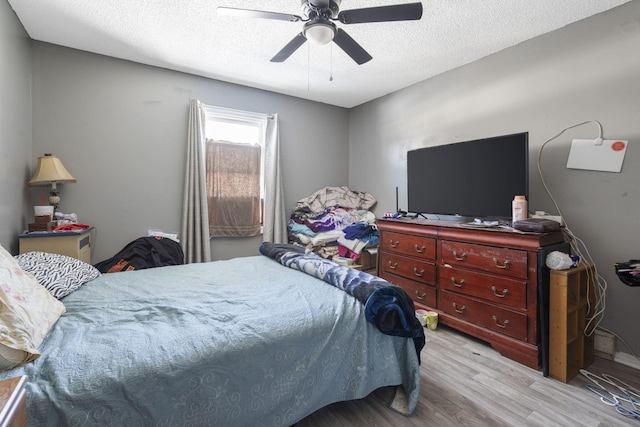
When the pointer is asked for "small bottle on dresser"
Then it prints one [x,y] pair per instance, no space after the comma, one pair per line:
[519,208]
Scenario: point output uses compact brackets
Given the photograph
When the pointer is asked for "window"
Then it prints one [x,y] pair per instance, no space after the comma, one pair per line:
[234,156]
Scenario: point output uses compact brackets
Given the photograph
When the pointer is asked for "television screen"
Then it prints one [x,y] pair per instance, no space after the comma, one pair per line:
[476,178]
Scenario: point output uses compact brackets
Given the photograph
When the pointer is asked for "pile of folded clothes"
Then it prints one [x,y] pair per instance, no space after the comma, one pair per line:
[335,221]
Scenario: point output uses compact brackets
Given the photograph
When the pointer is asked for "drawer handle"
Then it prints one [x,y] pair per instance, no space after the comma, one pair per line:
[502,295]
[505,265]
[419,249]
[504,324]
[457,284]
[420,296]
[394,244]
[415,271]
[461,257]
[461,310]
[394,265]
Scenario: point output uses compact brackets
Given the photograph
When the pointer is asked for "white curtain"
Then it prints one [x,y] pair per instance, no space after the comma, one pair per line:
[194,236]
[275,219]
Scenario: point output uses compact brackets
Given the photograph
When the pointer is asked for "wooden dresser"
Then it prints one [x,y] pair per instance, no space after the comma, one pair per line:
[490,283]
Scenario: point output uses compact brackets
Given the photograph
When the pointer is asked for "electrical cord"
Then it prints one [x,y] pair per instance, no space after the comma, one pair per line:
[580,248]
[544,184]
[576,243]
[626,344]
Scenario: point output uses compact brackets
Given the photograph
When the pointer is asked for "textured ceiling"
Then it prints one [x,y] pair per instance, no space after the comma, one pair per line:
[190,36]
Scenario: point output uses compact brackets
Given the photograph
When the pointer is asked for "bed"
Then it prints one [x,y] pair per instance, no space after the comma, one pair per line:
[246,341]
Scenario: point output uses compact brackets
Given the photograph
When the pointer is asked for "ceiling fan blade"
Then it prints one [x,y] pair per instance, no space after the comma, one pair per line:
[291,47]
[399,12]
[351,47]
[249,13]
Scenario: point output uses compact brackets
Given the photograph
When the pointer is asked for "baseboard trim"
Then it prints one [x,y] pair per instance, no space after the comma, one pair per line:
[627,359]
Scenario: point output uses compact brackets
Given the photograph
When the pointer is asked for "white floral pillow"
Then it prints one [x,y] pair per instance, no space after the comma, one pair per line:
[27,313]
[59,274]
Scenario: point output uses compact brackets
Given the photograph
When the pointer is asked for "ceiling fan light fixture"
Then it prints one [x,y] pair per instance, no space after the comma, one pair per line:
[320,31]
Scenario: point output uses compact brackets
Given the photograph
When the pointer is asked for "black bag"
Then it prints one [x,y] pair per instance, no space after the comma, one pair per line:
[537,225]
[144,252]
[629,272]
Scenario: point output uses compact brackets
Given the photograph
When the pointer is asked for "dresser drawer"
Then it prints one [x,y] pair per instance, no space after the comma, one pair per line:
[493,289]
[411,245]
[492,317]
[420,293]
[421,271]
[502,261]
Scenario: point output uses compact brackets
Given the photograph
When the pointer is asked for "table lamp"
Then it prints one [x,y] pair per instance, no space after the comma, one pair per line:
[50,170]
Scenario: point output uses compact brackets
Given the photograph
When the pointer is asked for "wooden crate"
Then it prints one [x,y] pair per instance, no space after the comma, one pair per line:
[571,299]
[40,226]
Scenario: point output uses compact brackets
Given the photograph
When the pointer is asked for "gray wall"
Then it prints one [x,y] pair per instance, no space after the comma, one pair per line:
[586,71]
[15,126]
[120,128]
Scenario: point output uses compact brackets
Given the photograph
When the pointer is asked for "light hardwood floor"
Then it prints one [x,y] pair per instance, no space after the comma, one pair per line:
[465,382]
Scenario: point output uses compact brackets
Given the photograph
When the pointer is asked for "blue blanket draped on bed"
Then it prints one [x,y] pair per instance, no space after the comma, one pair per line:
[386,305]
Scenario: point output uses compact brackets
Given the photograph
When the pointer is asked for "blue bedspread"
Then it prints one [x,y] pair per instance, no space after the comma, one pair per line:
[238,342]
[387,306]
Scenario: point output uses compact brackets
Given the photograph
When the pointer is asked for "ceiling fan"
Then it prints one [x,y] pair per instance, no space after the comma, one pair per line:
[318,25]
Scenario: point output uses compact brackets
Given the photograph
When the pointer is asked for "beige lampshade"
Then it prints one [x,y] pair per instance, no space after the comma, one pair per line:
[50,170]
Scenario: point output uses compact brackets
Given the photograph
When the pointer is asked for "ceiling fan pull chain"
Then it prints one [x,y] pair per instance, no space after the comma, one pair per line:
[331,63]
[308,68]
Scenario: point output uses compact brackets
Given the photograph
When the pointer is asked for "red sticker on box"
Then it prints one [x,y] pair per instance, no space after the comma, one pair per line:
[617,146]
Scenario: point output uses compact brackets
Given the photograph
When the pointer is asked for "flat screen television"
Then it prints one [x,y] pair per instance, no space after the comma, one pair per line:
[471,179]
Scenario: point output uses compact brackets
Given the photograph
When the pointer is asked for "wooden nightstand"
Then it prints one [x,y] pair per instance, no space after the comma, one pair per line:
[13,401]
[76,244]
